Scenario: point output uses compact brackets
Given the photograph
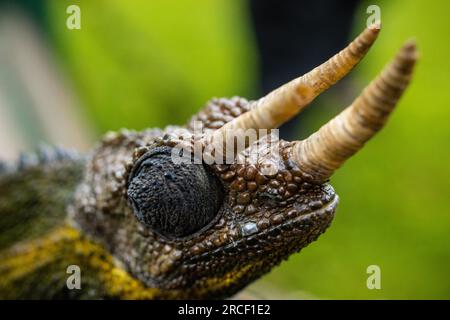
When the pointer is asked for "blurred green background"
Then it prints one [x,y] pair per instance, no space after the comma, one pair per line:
[141,64]
[154,63]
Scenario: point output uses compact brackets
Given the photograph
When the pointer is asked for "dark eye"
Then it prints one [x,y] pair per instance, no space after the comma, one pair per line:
[175,200]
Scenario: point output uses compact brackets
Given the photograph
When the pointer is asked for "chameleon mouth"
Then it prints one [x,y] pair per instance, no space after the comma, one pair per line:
[292,228]
[295,231]
[269,246]
[296,222]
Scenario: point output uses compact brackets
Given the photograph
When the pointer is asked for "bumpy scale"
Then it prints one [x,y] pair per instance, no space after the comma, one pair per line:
[141,226]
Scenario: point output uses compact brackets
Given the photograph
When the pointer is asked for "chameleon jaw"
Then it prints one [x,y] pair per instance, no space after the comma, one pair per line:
[263,249]
[304,225]
[291,222]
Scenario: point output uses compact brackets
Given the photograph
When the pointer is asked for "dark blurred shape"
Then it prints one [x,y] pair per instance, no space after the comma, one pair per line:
[294,36]
[36,9]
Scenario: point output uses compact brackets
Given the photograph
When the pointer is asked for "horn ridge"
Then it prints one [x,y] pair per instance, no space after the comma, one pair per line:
[283,103]
[331,71]
[328,148]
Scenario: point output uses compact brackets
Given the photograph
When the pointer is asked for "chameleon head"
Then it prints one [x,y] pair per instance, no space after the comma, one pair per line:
[206,229]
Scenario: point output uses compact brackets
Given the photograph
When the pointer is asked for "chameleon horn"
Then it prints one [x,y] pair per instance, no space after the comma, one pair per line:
[283,103]
[328,148]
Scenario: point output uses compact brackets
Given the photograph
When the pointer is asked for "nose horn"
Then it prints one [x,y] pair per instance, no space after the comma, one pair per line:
[328,148]
[283,103]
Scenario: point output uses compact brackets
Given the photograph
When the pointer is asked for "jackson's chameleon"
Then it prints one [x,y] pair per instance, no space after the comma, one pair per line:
[141,226]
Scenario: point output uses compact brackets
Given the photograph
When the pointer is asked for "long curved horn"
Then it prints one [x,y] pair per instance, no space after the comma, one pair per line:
[327,149]
[283,103]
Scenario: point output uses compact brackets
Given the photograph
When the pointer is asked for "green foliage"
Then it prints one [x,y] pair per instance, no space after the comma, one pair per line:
[395,204]
[141,64]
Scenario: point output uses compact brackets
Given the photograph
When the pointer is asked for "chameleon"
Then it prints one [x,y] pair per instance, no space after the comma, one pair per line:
[141,226]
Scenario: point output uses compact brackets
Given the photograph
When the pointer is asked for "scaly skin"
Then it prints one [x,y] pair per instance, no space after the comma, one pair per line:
[289,209]
[140,226]
[93,226]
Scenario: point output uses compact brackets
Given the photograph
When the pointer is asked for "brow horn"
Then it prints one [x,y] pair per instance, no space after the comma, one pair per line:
[327,149]
[283,103]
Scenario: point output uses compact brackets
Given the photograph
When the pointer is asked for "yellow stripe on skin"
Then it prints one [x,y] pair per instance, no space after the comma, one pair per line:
[37,269]
[48,258]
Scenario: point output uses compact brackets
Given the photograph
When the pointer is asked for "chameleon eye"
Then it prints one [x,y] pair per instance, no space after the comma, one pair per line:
[174,200]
